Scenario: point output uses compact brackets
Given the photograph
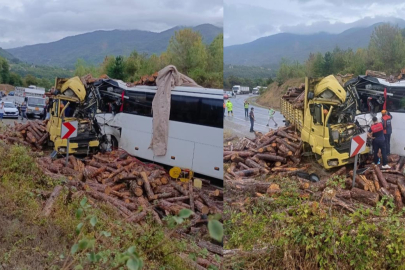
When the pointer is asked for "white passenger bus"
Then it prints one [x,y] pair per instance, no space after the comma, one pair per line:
[195,128]
[371,96]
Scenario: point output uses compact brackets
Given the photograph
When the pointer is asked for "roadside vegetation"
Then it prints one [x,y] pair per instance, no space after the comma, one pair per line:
[79,233]
[385,52]
[290,231]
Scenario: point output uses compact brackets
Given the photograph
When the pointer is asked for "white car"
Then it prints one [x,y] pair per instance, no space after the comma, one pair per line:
[10,110]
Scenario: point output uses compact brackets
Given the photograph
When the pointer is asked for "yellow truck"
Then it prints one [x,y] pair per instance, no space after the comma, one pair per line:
[72,102]
[326,120]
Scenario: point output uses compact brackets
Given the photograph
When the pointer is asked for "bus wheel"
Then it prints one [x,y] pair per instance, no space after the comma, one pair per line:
[108,143]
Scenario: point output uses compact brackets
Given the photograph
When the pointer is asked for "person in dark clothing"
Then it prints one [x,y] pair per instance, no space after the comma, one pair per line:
[376,132]
[23,109]
[252,119]
[386,121]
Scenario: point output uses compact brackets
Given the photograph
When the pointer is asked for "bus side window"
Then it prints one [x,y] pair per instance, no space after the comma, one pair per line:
[185,109]
[211,113]
[139,103]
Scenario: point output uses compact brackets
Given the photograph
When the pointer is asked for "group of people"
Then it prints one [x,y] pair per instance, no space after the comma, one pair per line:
[380,132]
[229,106]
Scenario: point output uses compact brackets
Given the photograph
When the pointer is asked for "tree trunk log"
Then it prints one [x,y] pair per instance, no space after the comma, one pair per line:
[363,196]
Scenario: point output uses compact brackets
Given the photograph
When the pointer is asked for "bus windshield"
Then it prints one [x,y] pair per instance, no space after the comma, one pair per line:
[36,102]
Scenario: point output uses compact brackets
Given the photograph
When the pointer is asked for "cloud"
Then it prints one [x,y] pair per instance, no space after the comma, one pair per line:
[246,20]
[25,22]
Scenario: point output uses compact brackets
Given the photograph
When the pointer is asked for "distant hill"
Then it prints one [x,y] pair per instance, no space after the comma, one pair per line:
[5,54]
[268,51]
[94,46]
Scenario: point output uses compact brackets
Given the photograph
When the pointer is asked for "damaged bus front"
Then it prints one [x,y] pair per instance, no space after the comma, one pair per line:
[72,102]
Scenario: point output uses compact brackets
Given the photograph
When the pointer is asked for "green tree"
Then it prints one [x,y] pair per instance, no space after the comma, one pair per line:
[186,51]
[328,64]
[216,54]
[386,48]
[4,70]
[289,70]
[116,70]
[318,66]
[30,80]
[15,79]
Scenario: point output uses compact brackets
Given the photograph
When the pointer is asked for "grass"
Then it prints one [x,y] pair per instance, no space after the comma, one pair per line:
[30,241]
[291,231]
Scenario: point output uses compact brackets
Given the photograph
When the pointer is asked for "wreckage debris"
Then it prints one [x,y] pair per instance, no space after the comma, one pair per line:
[32,134]
[276,153]
[136,189]
[145,80]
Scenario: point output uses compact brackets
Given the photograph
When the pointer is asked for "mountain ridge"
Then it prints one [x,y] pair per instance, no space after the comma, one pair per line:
[94,46]
[269,50]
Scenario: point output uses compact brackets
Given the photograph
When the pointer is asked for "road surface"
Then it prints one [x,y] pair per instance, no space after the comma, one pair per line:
[240,125]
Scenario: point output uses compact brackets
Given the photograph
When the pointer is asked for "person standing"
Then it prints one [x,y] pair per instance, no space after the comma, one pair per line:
[229,106]
[224,105]
[386,121]
[376,132]
[23,109]
[252,119]
[1,111]
[246,105]
[271,116]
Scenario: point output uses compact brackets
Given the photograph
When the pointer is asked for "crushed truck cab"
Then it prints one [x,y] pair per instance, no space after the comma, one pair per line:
[326,121]
[71,103]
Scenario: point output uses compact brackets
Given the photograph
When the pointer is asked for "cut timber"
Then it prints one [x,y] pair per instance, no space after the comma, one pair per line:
[291,148]
[243,154]
[49,203]
[170,207]
[398,198]
[137,217]
[375,181]
[249,172]
[179,188]
[201,207]
[191,194]
[210,247]
[401,186]
[286,135]
[381,178]
[270,157]
[146,185]
[366,197]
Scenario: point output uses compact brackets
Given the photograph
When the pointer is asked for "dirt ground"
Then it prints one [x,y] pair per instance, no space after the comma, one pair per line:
[272,96]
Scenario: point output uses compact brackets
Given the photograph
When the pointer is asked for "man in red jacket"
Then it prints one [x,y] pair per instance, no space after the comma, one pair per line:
[376,132]
[386,121]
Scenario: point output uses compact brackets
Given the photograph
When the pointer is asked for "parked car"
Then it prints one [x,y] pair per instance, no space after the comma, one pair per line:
[10,110]
[11,93]
[226,96]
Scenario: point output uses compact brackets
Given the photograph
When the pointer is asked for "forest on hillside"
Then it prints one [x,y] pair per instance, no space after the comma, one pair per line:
[186,51]
[385,53]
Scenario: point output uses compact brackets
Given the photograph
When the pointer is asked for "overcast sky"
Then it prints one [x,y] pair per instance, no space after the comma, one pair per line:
[25,22]
[248,20]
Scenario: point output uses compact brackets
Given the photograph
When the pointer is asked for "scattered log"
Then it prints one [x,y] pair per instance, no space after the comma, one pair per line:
[49,203]
[270,157]
[366,197]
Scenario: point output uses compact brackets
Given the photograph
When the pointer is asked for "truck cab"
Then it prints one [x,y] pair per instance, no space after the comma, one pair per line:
[326,120]
[329,121]
[67,106]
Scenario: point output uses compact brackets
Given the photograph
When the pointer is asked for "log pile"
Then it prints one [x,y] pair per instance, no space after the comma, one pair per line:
[295,96]
[277,152]
[145,80]
[135,189]
[32,134]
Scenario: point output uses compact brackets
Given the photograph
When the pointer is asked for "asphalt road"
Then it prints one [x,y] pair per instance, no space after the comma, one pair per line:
[239,125]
